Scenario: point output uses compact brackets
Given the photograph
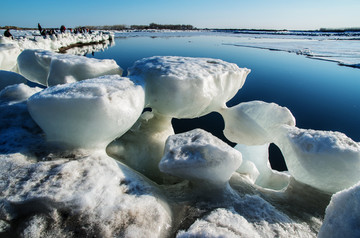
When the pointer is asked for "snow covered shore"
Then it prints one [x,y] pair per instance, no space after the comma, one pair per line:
[11,48]
[79,158]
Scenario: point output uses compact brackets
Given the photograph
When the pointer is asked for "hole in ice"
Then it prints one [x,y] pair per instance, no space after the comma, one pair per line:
[212,122]
[276,158]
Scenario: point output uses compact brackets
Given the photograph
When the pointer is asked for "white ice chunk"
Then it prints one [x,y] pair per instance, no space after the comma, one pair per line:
[142,147]
[89,113]
[184,87]
[259,155]
[9,78]
[34,65]
[199,156]
[342,216]
[85,196]
[329,161]
[8,56]
[72,68]
[48,68]
[251,123]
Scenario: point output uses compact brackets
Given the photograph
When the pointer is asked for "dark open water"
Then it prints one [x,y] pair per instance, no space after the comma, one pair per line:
[321,95]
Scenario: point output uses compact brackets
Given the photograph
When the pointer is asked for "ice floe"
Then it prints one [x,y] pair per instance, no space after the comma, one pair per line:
[48,68]
[89,113]
[186,87]
[252,123]
[329,161]
[201,158]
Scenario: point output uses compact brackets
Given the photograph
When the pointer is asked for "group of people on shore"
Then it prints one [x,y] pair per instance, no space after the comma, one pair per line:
[44,32]
[62,29]
[52,31]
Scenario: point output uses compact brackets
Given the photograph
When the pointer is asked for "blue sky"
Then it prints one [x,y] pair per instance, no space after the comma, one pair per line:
[258,14]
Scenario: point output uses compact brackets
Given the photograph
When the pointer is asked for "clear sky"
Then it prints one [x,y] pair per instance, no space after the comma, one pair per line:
[257,14]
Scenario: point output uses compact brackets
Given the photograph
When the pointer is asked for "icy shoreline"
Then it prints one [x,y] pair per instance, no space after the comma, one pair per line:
[10,48]
[342,48]
[80,157]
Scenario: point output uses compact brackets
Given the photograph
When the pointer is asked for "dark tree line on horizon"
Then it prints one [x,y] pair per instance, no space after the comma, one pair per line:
[155,26]
[121,27]
[143,27]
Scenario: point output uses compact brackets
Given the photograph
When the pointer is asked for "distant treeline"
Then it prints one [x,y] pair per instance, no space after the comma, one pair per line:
[161,27]
[17,28]
[178,27]
[339,29]
[141,27]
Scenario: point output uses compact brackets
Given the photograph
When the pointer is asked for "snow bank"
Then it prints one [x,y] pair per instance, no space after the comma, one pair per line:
[54,42]
[342,217]
[89,195]
[48,68]
[184,87]
[200,157]
[17,129]
[252,123]
[11,48]
[250,216]
[329,161]
[89,113]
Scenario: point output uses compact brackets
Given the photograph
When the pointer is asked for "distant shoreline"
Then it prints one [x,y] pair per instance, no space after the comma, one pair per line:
[154,26]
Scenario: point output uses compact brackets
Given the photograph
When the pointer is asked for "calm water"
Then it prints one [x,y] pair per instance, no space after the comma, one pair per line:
[321,95]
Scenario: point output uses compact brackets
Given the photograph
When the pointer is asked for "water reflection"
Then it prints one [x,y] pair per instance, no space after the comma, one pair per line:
[84,50]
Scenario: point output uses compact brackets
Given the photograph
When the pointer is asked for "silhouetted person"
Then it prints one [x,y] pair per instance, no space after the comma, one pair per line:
[62,28]
[40,28]
[7,33]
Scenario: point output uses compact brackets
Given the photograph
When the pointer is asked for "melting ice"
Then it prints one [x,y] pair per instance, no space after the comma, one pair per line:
[80,157]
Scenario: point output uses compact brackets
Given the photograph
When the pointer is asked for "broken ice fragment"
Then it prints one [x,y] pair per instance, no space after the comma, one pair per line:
[89,113]
[251,123]
[200,157]
[329,161]
[49,69]
[185,87]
